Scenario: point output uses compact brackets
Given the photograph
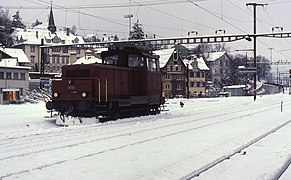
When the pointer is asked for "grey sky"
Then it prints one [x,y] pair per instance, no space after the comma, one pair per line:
[166,18]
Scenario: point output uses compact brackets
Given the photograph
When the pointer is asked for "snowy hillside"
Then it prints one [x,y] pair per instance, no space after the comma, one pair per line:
[218,138]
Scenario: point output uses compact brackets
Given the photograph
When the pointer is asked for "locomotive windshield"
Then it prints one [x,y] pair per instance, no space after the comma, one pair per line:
[111,59]
[153,65]
[135,61]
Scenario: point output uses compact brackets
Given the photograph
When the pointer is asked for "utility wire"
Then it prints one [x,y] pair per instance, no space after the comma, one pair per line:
[263,27]
[177,17]
[120,5]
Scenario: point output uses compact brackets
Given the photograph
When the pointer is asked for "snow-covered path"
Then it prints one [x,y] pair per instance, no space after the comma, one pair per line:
[172,145]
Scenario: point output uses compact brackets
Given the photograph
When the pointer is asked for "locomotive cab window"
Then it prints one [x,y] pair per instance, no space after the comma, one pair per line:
[153,65]
[111,59]
[135,61]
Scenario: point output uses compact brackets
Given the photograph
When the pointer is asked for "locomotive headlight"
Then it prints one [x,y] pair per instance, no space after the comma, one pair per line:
[56,94]
[84,94]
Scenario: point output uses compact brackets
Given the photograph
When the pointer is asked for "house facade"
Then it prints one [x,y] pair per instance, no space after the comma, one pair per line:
[174,73]
[219,67]
[14,80]
[197,73]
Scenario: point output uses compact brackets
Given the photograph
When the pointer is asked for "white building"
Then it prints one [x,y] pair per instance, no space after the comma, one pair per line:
[14,80]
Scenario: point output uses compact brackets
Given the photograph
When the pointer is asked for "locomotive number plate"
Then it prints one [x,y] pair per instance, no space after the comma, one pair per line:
[71,87]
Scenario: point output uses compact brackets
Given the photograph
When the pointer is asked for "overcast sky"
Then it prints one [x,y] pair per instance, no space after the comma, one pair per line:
[167,18]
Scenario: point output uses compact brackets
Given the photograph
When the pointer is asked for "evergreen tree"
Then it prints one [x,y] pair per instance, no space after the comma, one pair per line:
[16,22]
[5,28]
[137,32]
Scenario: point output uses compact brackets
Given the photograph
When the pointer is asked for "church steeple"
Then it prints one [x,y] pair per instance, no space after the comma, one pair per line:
[51,26]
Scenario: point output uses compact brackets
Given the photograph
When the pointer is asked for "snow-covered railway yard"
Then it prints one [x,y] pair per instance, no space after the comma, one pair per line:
[219,138]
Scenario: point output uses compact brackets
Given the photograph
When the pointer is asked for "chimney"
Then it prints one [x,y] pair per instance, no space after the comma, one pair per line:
[73,57]
[68,31]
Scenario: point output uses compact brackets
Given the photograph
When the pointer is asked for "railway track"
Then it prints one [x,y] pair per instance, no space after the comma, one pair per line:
[210,165]
[51,142]
[87,133]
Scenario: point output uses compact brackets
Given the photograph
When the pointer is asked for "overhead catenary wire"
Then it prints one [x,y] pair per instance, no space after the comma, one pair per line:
[107,6]
[148,4]
[261,24]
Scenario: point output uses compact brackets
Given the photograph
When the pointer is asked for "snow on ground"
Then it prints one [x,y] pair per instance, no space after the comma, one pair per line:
[176,144]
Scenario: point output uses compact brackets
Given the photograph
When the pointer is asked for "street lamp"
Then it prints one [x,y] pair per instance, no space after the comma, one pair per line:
[191,32]
[129,16]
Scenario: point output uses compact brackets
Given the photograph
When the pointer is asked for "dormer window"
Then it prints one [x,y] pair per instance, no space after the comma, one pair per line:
[175,56]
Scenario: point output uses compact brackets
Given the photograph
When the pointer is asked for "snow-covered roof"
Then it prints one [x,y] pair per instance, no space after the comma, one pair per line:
[89,59]
[33,35]
[16,53]
[212,56]
[99,50]
[201,65]
[165,55]
[11,63]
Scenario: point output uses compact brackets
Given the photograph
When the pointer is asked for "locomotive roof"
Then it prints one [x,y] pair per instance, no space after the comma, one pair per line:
[129,51]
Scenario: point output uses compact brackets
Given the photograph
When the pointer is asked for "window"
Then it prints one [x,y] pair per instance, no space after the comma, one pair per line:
[32,59]
[58,59]
[1,75]
[191,74]
[65,49]
[178,87]
[192,84]
[53,59]
[197,74]
[32,48]
[152,66]
[179,77]
[168,77]
[63,60]
[22,76]
[67,60]
[111,59]
[8,75]
[15,76]
[135,61]
[167,86]
[56,49]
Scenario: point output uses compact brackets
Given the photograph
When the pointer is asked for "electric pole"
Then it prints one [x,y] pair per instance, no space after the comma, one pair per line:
[255,44]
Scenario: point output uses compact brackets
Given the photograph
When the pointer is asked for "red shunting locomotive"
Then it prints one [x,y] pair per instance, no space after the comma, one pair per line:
[127,83]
